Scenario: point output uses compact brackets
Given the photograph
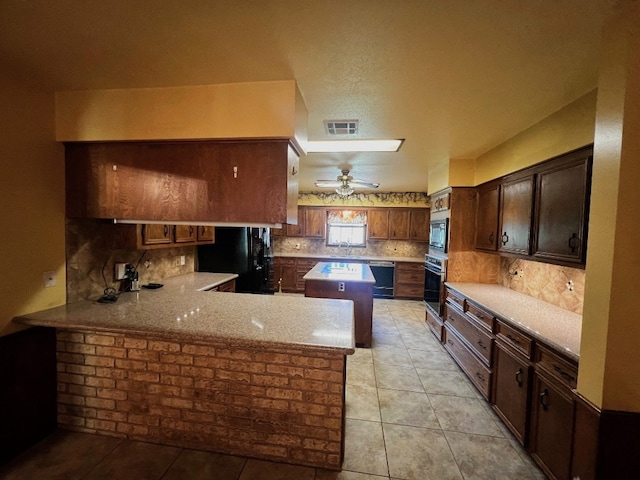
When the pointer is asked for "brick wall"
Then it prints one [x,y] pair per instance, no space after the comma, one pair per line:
[284,405]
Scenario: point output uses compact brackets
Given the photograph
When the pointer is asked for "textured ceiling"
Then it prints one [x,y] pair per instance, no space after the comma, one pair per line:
[452,77]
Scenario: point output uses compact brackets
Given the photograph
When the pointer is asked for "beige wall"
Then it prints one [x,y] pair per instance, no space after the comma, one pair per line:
[32,199]
[569,128]
[237,110]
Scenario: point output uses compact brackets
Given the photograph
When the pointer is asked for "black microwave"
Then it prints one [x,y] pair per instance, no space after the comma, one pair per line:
[439,234]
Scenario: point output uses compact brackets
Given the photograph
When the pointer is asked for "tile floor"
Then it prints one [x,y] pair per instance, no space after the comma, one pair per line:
[411,414]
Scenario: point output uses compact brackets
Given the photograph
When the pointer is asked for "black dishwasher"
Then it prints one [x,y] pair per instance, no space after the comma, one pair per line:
[383,272]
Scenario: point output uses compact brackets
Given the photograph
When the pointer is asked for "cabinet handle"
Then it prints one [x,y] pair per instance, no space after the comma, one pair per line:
[449,342]
[190,231]
[293,171]
[480,376]
[481,345]
[519,376]
[513,339]
[491,237]
[451,319]
[166,231]
[574,242]
[505,238]
[543,399]
[563,374]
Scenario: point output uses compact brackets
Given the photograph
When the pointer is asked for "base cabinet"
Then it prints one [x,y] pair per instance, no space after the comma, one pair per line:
[511,387]
[552,413]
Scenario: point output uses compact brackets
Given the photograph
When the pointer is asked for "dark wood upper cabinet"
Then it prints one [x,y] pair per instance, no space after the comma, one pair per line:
[399,224]
[516,208]
[419,225]
[297,230]
[378,224]
[315,222]
[194,181]
[487,210]
[561,218]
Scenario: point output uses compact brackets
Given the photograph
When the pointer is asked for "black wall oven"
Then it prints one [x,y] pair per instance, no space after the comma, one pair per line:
[435,274]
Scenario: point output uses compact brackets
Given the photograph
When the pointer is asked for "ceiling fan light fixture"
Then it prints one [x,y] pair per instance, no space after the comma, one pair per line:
[344,190]
[334,146]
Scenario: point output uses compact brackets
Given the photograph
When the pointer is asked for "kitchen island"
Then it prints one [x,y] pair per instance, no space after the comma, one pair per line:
[351,281]
[254,375]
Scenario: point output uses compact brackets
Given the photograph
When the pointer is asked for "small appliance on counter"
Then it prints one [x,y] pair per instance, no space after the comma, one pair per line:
[242,250]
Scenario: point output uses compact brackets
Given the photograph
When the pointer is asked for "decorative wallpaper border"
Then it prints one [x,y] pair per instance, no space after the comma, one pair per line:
[382,199]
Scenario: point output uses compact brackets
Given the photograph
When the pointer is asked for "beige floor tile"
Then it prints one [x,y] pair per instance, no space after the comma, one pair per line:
[362,403]
[391,355]
[443,382]
[434,360]
[396,377]
[361,374]
[346,475]
[419,454]
[196,465]
[364,448]
[387,340]
[362,355]
[135,460]
[486,458]
[421,341]
[261,470]
[61,456]
[461,414]
[407,408]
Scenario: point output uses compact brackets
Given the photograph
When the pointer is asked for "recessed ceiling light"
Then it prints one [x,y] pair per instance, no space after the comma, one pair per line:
[330,146]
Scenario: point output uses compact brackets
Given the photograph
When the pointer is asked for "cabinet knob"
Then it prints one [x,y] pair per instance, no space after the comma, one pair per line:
[505,238]
[543,399]
[574,242]
[166,231]
[491,238]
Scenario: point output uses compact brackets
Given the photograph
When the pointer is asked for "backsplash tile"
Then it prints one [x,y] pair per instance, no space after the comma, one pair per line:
[311,246]
[545,282]
[90,254]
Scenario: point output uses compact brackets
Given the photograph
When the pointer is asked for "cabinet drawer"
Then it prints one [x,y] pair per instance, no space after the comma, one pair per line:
[410,277]
[561,369]
[485,319]
[476,371]
[434,324]
[477,340]
[517,340]
[285,261]
[455,298]
[409,267]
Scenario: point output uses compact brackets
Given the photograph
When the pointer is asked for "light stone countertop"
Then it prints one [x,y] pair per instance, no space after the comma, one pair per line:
[337,258]
[180,311]
[551,325]
[341,272]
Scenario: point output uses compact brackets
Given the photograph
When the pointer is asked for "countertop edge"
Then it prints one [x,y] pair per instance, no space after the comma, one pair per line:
[198,339]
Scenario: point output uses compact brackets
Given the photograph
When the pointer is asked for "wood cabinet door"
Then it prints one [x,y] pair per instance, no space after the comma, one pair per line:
[156,234]
[488,198]
[285,277]
[315,222]
[399,224]
[378,224]
[185,233]
[511,390]
[562,202]
[515,216]
[206,234]
[419,224]
[552,410]
[297,230]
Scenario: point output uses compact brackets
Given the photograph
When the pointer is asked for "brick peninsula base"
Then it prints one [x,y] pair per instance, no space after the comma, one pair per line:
[284,405]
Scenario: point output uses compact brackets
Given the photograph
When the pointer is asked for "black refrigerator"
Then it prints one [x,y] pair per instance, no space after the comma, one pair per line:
[242,250]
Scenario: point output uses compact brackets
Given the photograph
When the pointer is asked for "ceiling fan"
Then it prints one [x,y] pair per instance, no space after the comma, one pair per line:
[345,184]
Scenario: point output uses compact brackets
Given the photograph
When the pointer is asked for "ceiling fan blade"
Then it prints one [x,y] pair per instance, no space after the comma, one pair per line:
[328,184]
[361,183]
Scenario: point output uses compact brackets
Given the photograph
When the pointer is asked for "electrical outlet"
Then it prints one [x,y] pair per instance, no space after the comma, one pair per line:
[182,260]
[341,286]
[520,273]
[570,285]
[49,279]
[177,261]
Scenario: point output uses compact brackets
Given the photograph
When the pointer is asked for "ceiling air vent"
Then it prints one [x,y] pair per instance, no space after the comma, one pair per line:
[341,127]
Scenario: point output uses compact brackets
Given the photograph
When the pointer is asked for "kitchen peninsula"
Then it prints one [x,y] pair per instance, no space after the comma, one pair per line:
[350,281]
[253,375]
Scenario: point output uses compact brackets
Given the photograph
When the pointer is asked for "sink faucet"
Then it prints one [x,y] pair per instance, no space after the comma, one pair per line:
[347,246]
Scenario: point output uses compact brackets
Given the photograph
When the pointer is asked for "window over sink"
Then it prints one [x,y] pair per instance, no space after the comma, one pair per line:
[346,227]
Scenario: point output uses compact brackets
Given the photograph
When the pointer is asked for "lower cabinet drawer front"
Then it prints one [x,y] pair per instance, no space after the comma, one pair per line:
[435,324]
[559,368]
[409,291]
[455,298]
[478,340]
[485,319]
[476,371]
[517,340]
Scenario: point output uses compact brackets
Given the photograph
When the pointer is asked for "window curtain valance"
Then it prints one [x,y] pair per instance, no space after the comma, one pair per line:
[347,217]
